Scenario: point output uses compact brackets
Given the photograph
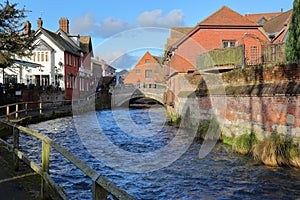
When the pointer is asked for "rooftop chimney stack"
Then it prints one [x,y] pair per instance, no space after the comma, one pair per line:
[27,26]
[64,24]
[40,22]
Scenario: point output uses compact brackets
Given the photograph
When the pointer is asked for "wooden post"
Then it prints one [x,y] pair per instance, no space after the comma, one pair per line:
[41,107]
[98,192]
[26,109]
[17,111]
[7,113]
[45,168]
[16,134]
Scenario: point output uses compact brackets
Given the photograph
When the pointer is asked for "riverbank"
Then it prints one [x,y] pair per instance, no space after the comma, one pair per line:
[257,108]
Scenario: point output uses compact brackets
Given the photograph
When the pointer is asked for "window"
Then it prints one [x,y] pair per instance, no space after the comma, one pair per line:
[147,61]
[228,43]
[148,73]
[67,59]
[34,56]
[253,55]
[138,71]
[46,57]
[70,59]
[42,56]
[38,56]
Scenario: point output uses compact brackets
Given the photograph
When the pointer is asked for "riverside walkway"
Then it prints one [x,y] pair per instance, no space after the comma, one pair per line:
[22,184]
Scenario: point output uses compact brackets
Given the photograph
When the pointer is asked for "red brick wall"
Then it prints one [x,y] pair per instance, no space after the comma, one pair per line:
[71,69]
[244,111]
[208,39]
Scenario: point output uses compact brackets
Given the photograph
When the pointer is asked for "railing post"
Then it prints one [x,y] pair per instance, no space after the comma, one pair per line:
[98,192]
[7,113]
[41,107]
[45,168]
[26,107]
[16,134]
[17,111]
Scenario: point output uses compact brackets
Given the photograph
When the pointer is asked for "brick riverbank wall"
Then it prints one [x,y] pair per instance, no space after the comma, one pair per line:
[259,99]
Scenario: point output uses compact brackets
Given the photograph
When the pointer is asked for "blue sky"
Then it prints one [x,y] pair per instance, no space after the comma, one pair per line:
[107,21]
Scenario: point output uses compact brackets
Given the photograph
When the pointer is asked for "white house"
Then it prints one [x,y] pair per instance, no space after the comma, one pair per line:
[59,60]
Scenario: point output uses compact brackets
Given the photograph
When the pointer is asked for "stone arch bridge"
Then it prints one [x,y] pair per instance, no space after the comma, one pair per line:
[122,95]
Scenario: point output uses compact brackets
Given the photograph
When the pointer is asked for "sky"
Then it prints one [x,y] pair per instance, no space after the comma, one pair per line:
[123,30]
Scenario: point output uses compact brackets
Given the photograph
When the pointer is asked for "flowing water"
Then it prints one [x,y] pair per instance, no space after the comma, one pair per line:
[222,174]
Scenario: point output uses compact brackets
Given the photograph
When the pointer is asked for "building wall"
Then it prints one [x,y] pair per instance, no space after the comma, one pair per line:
[138,73]
[204,40]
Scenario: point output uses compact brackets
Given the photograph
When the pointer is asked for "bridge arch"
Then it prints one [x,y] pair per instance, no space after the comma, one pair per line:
[123,94]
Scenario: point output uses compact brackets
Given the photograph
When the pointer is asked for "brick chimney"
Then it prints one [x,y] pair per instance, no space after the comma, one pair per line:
[64,24]
[27,26]
[40,22]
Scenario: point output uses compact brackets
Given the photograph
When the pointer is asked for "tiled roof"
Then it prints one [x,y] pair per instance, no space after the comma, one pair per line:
[60,42]
[158,59]
[276,24]
[178,32]
[223,18]
[256,17]
[86,43]
[227,17]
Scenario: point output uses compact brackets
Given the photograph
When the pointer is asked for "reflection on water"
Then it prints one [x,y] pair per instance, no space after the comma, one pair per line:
[222,174]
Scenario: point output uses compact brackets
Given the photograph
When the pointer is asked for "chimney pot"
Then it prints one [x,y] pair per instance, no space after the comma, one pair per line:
[27,27]
[40,22]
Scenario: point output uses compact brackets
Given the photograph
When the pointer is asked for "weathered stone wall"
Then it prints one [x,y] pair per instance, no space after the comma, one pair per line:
[262,115]
[262,100]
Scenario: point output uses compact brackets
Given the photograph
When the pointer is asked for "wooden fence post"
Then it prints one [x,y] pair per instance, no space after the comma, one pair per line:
[41,107]
[16,134]
[98,192]
[17,111]
[7,113]
[26,109]
[45,168]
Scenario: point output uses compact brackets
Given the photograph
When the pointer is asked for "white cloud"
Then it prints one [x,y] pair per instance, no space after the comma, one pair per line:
[155,19]
[102,28]
[83,24]
[110,26]
[89,24]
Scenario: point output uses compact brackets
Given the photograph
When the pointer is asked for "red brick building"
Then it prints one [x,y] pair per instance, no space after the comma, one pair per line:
[224,28]
[147,70]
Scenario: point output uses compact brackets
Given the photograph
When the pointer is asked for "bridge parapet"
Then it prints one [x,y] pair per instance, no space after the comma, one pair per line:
[123,93]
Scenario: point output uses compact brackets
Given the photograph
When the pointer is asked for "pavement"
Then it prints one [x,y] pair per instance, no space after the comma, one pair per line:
[14,185]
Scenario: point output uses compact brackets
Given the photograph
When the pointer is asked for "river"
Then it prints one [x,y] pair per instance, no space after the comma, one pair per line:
[222,174]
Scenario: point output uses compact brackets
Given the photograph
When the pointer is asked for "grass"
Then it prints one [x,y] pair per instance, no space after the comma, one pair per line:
[208,129]
[244,144]
[277,151]
[174,119]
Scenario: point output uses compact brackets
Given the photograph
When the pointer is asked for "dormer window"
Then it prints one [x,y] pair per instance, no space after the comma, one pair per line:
[228,43]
